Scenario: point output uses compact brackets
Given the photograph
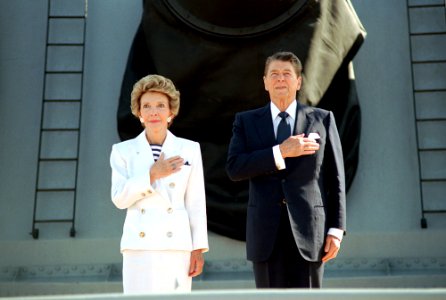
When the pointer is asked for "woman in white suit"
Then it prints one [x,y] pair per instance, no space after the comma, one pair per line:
[158,178]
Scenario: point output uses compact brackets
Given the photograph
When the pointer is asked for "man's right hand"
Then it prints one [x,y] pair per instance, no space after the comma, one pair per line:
[298,145]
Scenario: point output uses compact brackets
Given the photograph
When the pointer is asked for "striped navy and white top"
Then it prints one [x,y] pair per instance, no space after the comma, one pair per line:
[156,150]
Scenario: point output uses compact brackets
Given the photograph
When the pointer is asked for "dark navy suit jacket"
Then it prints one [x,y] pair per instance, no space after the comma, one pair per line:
[313,186]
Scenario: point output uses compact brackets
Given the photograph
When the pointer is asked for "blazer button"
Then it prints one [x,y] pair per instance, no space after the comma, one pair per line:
[172,185]
[143,211]
[170,210]
[169,234]
[143,194]
[149,191]
[283,201]
[142,234]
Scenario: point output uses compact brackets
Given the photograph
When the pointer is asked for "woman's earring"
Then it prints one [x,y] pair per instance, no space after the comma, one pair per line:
[141,120]
[169,119]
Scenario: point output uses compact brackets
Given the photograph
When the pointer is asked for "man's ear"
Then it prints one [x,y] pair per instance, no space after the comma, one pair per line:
[299,82]
[264,83]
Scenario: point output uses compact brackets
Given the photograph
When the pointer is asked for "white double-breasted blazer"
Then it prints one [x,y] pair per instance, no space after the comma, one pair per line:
[171,213]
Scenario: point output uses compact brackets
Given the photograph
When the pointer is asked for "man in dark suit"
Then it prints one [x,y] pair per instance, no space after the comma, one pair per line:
[292,156]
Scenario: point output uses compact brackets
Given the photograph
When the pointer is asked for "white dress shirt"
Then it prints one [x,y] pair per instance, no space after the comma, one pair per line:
[291,110]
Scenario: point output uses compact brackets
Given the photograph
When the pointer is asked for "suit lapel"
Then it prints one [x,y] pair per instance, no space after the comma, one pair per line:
[264,125]
[143,150]
[171,147]
[304,120]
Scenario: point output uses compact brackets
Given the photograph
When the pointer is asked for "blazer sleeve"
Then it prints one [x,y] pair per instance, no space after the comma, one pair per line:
[334,177]
[195,202]
[126,189]
[244,160]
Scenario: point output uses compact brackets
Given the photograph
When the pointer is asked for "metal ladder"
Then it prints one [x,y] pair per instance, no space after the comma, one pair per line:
[429,123]
[58,154]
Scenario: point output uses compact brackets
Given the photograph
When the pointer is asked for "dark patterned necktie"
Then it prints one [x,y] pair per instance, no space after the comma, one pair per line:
[283,130]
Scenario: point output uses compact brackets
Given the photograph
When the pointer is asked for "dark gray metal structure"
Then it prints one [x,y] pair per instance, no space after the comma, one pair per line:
[219,72]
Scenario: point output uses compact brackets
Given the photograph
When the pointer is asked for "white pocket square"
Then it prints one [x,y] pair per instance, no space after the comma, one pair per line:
[314,135]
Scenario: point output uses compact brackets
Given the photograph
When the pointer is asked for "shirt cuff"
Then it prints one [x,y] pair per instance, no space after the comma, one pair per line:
[280,162]
[337,233]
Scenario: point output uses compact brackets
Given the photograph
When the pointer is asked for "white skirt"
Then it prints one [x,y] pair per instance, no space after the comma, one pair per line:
[156,271]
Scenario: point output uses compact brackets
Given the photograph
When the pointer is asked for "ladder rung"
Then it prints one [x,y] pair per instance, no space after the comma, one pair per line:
[64,72]
[428,90]
[432,149]
[433,180]
[440,211]
[67,17]
[60,129]
[59,159]
[66,44]
[431,119]
[63,100]
[57,190]
[54,221]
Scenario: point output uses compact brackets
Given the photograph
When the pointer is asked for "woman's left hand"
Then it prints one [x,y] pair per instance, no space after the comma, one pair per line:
[196,263]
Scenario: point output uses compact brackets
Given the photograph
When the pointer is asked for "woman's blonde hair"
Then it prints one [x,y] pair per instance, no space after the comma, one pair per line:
[155,83]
